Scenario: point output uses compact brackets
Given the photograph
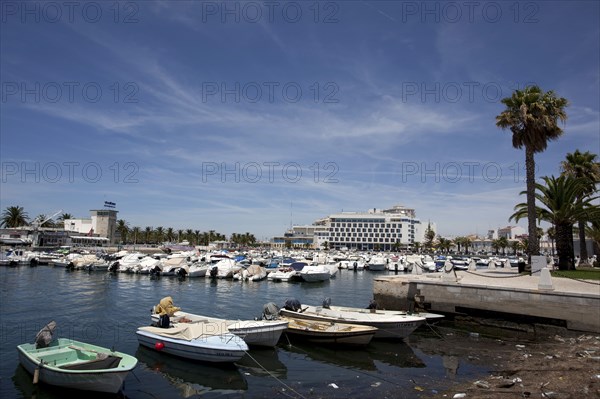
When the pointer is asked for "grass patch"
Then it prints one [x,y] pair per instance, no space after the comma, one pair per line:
[581,274]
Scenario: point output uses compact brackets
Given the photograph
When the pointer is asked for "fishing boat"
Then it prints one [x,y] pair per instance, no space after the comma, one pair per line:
[321,332]
[77,365]
[388,326]
[429,317]
[208,342]
[253,332]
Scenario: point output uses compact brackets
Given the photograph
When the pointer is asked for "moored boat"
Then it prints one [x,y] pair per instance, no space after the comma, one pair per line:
[388,326]
[77,365]
[322,332]
[208,342]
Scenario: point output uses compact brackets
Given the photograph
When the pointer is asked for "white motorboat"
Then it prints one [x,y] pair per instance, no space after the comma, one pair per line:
[208,342]
[225,268]
[429,317]
[377,263]
[287,273]
[251,273]
[254,332]
[311,274]
[196,269]
[388,326]
[128,263]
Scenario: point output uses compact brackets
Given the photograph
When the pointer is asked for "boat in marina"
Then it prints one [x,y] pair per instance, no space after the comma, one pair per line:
[251,273]
[253,332]
[377,263]
[203,341]
[77,365]
[329,333]
[224,268]
[429,317]
[315,273]
[388,326]
[287,273]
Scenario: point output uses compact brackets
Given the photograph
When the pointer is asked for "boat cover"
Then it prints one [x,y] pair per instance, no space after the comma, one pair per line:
[189,331]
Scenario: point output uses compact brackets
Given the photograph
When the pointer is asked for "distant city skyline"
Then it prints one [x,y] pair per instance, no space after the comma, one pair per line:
[219,115]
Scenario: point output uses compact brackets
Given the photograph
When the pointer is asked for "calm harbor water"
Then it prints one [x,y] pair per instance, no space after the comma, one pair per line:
[105,309]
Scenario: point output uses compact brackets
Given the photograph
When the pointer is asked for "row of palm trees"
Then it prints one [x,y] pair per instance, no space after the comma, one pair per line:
[533,117]
[15,216]
[159,235]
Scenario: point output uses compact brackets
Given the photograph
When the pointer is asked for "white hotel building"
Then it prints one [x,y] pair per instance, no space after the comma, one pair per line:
[375,229]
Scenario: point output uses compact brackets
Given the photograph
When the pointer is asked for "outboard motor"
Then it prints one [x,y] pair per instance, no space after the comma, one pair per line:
[181,273]
[71,266]
[372,304]
[155,271]
[113,267]
[292,304]
[326,303]
[270,311]
[355,266]
[33,262]
[214,271]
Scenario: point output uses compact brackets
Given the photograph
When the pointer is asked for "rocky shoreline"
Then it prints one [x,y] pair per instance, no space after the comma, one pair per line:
[557,367]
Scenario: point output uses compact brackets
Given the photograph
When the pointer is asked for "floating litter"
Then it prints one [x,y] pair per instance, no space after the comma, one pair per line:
[333,385]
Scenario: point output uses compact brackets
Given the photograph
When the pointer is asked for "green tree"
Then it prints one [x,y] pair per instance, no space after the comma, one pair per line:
[170,234]
[64,216]
[583,166]
[14,216]
[559,197]
[429,237]
[148,235]
[159,234]
[444,244]
[503,243]
[532,116]
[417,247]
[122,229]
[136,233]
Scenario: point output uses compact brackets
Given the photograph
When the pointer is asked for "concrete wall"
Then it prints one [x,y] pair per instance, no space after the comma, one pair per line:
[579,311]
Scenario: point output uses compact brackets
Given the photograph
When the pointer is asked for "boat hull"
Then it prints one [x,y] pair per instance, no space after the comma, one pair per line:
[330,333]
[106,380]
[226,348]
[388,327]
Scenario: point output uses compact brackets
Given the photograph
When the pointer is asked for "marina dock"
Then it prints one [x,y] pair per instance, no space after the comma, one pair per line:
[497,293]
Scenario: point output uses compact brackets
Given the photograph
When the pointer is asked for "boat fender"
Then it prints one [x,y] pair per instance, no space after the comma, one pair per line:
[159,346]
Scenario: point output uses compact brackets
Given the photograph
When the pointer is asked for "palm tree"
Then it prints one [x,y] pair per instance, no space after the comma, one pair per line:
[64,216]
[503,243]
[147,235]
[14,216]
[515,246]
[552,236]
[444,244]
[532,115]
[170,234]
[136,232]
[122,229]
[585,167]
[159,234]
[496,246]
[562,209]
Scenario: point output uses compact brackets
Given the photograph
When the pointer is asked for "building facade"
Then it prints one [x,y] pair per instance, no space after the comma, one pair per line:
[102,223]
[376,229]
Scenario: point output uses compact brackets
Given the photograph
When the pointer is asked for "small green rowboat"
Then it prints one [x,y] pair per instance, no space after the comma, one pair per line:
[77,365]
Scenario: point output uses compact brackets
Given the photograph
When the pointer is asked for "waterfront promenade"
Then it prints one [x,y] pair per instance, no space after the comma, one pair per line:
[497,293]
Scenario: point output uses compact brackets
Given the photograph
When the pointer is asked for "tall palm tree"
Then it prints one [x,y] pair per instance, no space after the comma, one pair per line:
[147,235]
[561,208]
[14,216]
[122,229]
[159,234]
[503,243]
[532,115]
[136,233]
[170,234]
[64,216]
[584,166]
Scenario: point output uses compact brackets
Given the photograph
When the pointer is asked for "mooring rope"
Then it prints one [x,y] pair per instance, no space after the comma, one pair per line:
[275,377]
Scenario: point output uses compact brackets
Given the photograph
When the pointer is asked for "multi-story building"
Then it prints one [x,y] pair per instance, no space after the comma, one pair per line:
[102,223]
[375,229]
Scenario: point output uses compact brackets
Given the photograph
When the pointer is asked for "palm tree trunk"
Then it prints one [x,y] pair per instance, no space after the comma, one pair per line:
[533,245]
[583,253]
[564,246]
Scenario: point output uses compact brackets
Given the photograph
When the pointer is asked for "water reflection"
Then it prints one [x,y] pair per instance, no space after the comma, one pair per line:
[396,354]
[191,378]
[263,362]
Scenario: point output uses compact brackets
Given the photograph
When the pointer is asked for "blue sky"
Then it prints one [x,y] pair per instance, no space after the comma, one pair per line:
[246,116]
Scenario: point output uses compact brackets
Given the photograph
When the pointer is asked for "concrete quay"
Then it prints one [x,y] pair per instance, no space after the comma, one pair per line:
[538,299]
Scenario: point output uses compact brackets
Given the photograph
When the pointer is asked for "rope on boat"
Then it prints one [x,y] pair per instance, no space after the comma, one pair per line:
[277,379]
